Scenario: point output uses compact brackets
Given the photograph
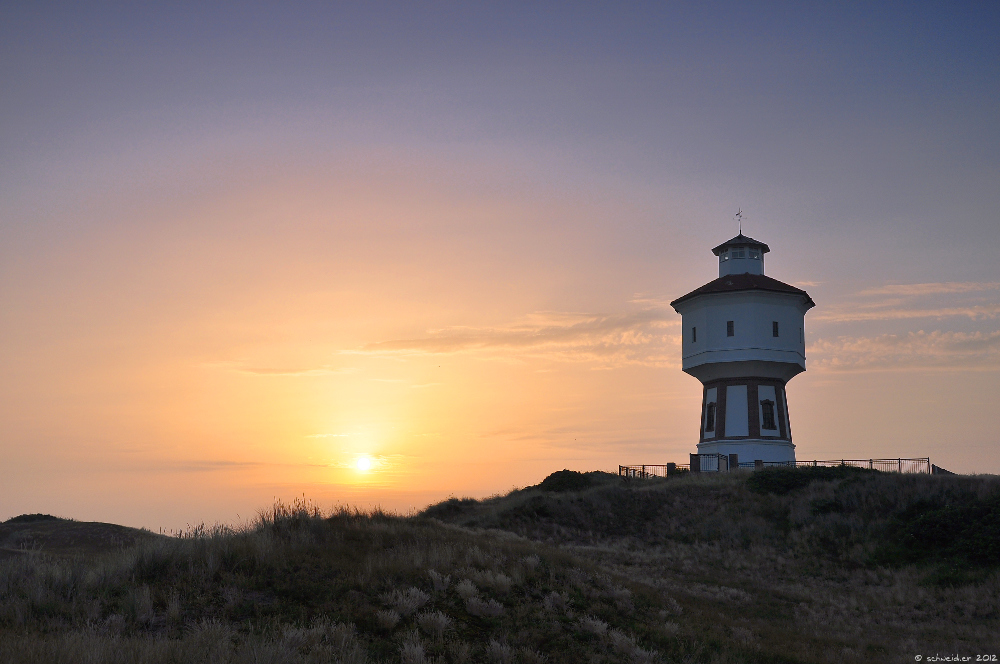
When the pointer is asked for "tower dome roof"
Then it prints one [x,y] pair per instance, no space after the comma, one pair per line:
[731,283]
[741,240]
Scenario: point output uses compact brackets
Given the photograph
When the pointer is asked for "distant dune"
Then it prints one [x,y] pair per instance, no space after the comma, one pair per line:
[52,535]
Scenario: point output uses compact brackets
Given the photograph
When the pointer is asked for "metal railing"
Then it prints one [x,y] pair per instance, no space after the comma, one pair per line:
[897,465]
[714,463]
[653,470]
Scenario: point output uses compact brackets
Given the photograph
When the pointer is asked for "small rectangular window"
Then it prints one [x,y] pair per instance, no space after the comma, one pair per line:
[774,328]
[694,334]
[730,331]
[738,253]
[724,256]
[800,335]
[710,417]
[767,410]
[754,253]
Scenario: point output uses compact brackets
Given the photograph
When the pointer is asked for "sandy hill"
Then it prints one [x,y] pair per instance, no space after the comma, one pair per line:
[788,565]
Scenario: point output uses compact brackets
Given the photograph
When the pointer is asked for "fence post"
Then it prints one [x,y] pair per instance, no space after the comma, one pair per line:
[900,466]
[695,463]
[671,468]
[734,461]
[758,464]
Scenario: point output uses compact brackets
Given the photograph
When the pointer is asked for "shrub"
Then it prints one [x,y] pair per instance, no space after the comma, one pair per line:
[412,652]
[555,601]
[489,608]
[451,508]
[965,532]
[387,618]
[783,480]
[566,480]
[500,652]
[31,518]
[593,625]
[466,589]
[439,581]
[434,623]
[406,602]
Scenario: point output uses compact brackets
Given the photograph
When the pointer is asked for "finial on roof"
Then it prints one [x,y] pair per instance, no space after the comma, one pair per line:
[739,218]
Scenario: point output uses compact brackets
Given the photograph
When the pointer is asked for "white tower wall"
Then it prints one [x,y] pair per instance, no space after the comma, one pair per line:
[753,314]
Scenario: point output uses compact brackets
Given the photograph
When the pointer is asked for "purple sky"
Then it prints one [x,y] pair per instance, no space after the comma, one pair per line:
[237,243]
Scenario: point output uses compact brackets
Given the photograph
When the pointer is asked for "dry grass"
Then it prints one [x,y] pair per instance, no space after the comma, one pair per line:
[804,573]
[303,586]
[691,569]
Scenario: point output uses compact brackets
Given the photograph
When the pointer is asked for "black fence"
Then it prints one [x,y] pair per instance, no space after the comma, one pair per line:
[653,470]
[715,463]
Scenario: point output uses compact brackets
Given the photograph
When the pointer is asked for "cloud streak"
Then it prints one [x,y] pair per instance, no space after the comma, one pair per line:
[935,350]
[243,368]
[933,288]
[643,337]
[973,300]
[854,313]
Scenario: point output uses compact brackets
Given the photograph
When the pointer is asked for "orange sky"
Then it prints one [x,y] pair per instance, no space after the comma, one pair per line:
[207,311]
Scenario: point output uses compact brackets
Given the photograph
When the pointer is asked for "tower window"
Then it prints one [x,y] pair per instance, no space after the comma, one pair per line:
[767,412]
[739,253]
[723,256]
[710,417]
[774,328]
[730,329]
[755,253]
[694,334]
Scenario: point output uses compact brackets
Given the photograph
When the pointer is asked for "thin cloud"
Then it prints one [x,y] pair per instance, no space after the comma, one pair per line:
[933,288]
[642,337]
[973,300]
[240,367]
[935,349]
[208,466]
[848,314]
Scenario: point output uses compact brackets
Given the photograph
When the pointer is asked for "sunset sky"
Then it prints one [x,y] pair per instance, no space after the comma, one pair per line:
[246,247]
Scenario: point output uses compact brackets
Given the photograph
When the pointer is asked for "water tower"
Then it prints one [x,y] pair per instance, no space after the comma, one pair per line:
[744,339]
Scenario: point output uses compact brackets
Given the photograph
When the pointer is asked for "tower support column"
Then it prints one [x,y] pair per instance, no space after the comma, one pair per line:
[746,416]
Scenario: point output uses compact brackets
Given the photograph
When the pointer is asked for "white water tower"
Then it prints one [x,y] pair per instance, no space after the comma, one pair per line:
[744,339]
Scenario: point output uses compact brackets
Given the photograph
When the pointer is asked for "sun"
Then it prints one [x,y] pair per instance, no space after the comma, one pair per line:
[364,463]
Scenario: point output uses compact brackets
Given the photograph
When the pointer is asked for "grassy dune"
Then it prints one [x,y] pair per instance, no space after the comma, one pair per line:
[784,565]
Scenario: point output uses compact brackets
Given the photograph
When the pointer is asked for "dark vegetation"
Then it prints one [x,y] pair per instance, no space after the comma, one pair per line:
[781,565]
[959,535]
[568,480]
[782,481]
[30,518]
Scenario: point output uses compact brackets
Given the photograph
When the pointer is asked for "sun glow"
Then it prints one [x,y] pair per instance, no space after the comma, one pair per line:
[364,464]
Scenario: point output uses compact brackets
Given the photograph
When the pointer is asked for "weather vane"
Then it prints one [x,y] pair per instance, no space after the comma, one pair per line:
[739,218]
